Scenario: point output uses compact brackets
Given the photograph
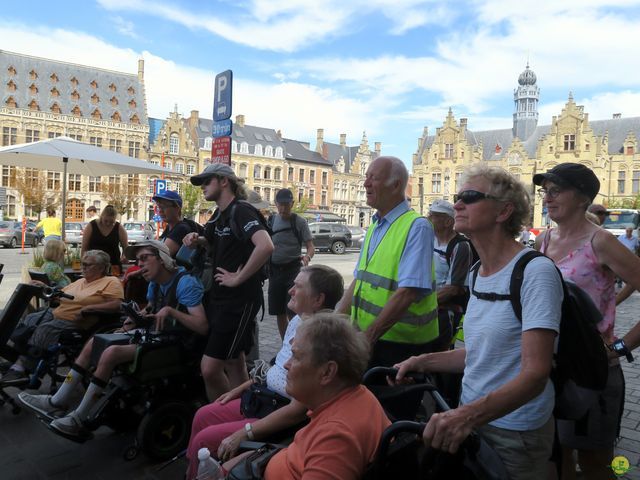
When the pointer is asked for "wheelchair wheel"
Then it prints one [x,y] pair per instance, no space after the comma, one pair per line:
[130,453]
[164,432]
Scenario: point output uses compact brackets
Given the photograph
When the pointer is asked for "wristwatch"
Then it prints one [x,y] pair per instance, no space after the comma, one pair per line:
[247,428]
[621,349]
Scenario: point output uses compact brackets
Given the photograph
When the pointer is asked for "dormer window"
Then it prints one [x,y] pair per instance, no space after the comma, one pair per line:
[11,103]
[33,90]
[11,71]
[55,108]
[135,119]
[114,101]
[33,75]
[76,111]
[53,78]
[131,91]
[112,87]
[55,92]
[132,104]
[74,82]
[95,99]
[96,115]
[116,117]
[498,148]
[94,84]
[11,86]
[33,105]
[75,96]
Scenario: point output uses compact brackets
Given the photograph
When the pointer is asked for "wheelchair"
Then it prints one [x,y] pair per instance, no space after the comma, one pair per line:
[58,355]
[156,395]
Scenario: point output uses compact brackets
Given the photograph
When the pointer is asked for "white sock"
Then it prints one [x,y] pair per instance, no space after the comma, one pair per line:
[17,367]
[94,392]
[71,381]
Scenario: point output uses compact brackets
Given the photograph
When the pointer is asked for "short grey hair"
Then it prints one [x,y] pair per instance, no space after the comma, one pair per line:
[506,188]
[333,338]
[327,281]
[101,258]
[398,172]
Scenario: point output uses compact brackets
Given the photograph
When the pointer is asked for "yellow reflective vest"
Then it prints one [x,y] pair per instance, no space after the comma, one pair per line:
[377,281]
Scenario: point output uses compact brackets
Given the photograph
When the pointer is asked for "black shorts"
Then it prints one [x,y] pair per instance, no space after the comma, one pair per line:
[280,282]
[231,326]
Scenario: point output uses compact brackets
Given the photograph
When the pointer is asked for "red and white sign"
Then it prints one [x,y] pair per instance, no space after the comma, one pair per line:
[221,150]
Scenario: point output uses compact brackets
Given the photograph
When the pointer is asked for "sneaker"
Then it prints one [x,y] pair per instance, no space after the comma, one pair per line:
[70,426]
[41,404]
[14,376]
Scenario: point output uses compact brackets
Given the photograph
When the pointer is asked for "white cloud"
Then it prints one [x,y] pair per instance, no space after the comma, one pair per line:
[297,109]
[291,25]
[125,27]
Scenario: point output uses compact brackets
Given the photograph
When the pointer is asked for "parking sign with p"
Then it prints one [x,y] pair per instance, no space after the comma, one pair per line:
[161,186]
[222,96]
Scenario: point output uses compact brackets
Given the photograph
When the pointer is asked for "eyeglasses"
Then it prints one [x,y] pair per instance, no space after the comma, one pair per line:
[208,180]
[552,192]
[144,257]
[87,265]
[472,196]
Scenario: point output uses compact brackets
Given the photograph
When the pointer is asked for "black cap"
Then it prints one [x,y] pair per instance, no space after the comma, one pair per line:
[574,175]
[284,196]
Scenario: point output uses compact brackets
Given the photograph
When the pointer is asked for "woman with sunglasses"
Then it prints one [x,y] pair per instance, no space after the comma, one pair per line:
[591,257]
[507,396]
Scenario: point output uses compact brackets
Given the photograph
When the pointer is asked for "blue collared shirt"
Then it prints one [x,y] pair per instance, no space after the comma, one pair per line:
[414,270]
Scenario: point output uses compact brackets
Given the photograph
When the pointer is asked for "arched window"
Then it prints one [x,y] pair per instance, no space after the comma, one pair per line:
[33,105]
[116,117]
[279,152]
[268,151]
[267,173]
[11,103]
[243,170]
[180,167]
[258,149]
[257,171]
[134,119]
[244,147]
[234,146]
[76,111]
[277,173]
[11,206]
[55,108]
[207,143]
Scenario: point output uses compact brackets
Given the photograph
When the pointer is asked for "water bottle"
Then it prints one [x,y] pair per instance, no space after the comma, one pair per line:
[208,468]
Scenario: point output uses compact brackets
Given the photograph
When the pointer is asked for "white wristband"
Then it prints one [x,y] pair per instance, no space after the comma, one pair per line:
[247,428]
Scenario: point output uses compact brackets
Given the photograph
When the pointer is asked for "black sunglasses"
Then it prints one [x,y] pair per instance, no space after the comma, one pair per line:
[472,196]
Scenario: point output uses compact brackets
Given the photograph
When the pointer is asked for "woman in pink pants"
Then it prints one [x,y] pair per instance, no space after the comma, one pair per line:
[220,426]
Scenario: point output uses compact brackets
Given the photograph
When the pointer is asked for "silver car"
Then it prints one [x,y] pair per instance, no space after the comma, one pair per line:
[11,235]
[73,233]
[139,231]
[357,236]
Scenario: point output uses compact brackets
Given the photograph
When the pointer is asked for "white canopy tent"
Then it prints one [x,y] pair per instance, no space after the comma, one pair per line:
[63,154]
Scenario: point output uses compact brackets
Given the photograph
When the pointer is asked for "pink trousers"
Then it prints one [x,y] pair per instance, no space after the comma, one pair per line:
[212,424]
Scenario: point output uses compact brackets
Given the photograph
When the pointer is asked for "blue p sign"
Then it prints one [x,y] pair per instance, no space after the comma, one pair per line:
[161,186]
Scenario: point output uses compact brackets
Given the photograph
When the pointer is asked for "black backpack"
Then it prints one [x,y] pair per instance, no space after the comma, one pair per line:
[293,227]
[463,299]
[581,365]
[195,226]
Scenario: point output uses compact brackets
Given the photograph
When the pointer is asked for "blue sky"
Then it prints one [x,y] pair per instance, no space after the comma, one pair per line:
[387,67]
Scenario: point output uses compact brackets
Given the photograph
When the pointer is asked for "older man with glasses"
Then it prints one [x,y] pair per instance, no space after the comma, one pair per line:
[184,315]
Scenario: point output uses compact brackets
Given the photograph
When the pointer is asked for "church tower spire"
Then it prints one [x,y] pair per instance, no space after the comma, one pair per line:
[526,97]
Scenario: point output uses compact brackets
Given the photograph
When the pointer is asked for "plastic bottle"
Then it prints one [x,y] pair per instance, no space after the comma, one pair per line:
[208,468]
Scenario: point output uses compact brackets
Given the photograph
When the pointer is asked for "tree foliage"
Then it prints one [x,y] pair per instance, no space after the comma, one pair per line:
[192,200]
[31,184]
[125,197]
[625,202]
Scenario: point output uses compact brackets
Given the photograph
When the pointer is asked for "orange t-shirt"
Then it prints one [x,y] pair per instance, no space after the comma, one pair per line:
[339,442]
[99,291]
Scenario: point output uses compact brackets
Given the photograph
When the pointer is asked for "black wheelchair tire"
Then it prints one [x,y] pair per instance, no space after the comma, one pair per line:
[164,431]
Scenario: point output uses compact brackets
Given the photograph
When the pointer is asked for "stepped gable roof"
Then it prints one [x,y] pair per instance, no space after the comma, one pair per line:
[65,72]
[618,129]
[335,151]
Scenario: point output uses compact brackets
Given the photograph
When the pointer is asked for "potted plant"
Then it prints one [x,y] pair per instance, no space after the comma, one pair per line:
[72,258]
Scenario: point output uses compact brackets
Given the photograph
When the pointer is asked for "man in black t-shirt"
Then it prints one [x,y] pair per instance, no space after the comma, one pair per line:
[239,245]
[170,209]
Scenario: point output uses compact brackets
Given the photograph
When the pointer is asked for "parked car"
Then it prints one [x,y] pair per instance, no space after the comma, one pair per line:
[333,237]
[357,236]
[73,233]
[11,234]
[139,231]
[39,232]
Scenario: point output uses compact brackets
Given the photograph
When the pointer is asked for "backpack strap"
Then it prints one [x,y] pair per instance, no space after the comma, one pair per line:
[452,244]
[294,228]
[170,297]
[517,278]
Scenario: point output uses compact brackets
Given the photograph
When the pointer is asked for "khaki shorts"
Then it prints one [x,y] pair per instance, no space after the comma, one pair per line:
[525,454]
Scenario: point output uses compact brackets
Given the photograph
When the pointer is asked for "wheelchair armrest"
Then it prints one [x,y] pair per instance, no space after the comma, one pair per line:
[247,445]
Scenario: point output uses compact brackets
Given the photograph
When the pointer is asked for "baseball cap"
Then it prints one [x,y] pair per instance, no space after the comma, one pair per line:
[284,195]
[574,175]
[168,195]
[163,251]
[215,170]
[442,206]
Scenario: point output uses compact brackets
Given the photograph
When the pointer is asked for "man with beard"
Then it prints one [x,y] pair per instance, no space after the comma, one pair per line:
[238,246]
